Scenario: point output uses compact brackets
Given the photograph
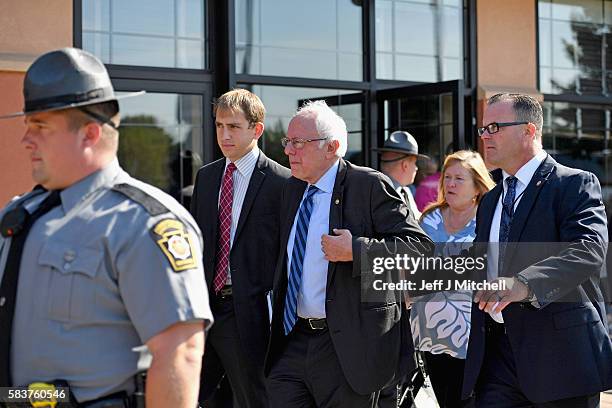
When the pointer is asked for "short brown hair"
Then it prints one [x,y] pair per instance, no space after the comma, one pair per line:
[241,100]
[526,107]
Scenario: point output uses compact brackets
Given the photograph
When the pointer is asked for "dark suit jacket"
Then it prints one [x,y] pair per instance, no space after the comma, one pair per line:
[561,349]
[254,249]
[367,337]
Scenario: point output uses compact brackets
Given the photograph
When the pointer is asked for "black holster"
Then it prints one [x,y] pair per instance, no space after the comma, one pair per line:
[137,400]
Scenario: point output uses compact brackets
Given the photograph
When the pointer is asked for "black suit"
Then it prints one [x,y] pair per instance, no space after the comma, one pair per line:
[368,340]
[252,263]
[562,349]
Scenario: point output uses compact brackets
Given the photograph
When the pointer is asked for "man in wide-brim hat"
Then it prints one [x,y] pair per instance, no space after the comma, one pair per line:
[76,310]
[398,160]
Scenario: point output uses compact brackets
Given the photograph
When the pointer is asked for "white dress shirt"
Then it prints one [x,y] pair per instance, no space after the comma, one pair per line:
[311,297]
[242,176]
[524,176]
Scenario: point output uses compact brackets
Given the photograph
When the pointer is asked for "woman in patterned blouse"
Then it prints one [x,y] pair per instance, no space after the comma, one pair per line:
[441,322]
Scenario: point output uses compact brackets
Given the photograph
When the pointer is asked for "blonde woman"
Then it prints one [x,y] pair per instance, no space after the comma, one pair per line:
[441,322]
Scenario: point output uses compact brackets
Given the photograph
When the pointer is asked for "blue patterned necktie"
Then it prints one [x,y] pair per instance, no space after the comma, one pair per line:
[506,220]
[297,260]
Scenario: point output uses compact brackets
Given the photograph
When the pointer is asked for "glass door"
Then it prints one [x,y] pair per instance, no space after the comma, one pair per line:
[434,115]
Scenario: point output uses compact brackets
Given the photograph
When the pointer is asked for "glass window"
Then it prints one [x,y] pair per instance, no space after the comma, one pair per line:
[161,141]
[419,40]
[282,102]
[573,38]
[428,118]
[159,33]
[579,136]
[314,39]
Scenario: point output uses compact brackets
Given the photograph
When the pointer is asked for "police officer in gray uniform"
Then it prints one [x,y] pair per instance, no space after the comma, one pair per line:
[109,281]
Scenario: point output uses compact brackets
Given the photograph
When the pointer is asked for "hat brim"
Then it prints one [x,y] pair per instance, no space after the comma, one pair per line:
[394,150]
[73,105]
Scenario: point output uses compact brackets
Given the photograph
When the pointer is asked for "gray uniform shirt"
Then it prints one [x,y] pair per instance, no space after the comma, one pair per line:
[99,277]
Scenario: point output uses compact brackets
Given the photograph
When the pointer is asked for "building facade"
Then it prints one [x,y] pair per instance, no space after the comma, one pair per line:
[425,66]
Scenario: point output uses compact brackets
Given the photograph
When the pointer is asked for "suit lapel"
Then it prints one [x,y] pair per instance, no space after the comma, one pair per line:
[255,183]
[487,210]
[523,209]
[296,192]
[335,213]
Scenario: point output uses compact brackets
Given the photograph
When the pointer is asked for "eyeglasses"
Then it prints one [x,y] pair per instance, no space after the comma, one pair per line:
[298,143]
[493,127]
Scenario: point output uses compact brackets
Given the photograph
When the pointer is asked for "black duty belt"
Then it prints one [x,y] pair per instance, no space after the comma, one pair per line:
[117,400]
[311,325]
[57,394]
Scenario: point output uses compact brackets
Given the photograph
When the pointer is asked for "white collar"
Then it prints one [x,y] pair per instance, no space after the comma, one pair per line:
[525,173]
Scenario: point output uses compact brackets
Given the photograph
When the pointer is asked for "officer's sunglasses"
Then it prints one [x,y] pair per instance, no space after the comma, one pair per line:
[493,127]
[298,143]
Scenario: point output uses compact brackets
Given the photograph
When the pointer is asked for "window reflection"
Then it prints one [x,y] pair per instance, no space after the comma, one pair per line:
[579,136]
[419,40]
[160,33]
[271,40]
[428,118]
[161,141]
[573,37]
[282,102]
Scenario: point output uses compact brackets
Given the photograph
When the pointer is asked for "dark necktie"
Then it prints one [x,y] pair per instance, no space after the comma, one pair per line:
[297,260]
[404,195]
[506,220]
[225,227]
[8,287]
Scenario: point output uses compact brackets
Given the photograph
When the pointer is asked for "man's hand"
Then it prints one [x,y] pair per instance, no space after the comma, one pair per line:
[339,247]
[497,300]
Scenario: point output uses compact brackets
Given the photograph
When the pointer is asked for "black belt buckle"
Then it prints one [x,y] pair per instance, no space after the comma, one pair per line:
[317,324]
[225,292]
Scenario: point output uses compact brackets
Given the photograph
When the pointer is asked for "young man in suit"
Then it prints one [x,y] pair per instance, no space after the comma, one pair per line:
[236,204]
[551,348]
[328,347]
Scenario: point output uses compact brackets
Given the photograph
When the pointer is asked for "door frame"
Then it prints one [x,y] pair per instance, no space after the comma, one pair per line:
[455,88]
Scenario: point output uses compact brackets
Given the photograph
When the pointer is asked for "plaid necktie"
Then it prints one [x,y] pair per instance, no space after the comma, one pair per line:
[506,220]
[225,227]
[297,260]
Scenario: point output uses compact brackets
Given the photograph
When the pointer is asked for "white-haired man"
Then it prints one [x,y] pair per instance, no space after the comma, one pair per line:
[328,348]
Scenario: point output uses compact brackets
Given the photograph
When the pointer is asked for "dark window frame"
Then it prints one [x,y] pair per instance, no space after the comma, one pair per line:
[166,79]
[574,98]
[220,74]
[565,97]
[370,84]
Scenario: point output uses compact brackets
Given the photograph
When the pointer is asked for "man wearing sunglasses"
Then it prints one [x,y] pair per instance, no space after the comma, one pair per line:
[543,341]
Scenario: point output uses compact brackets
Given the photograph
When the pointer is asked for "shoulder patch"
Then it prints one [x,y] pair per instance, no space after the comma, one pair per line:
[175,243]
[148,202]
